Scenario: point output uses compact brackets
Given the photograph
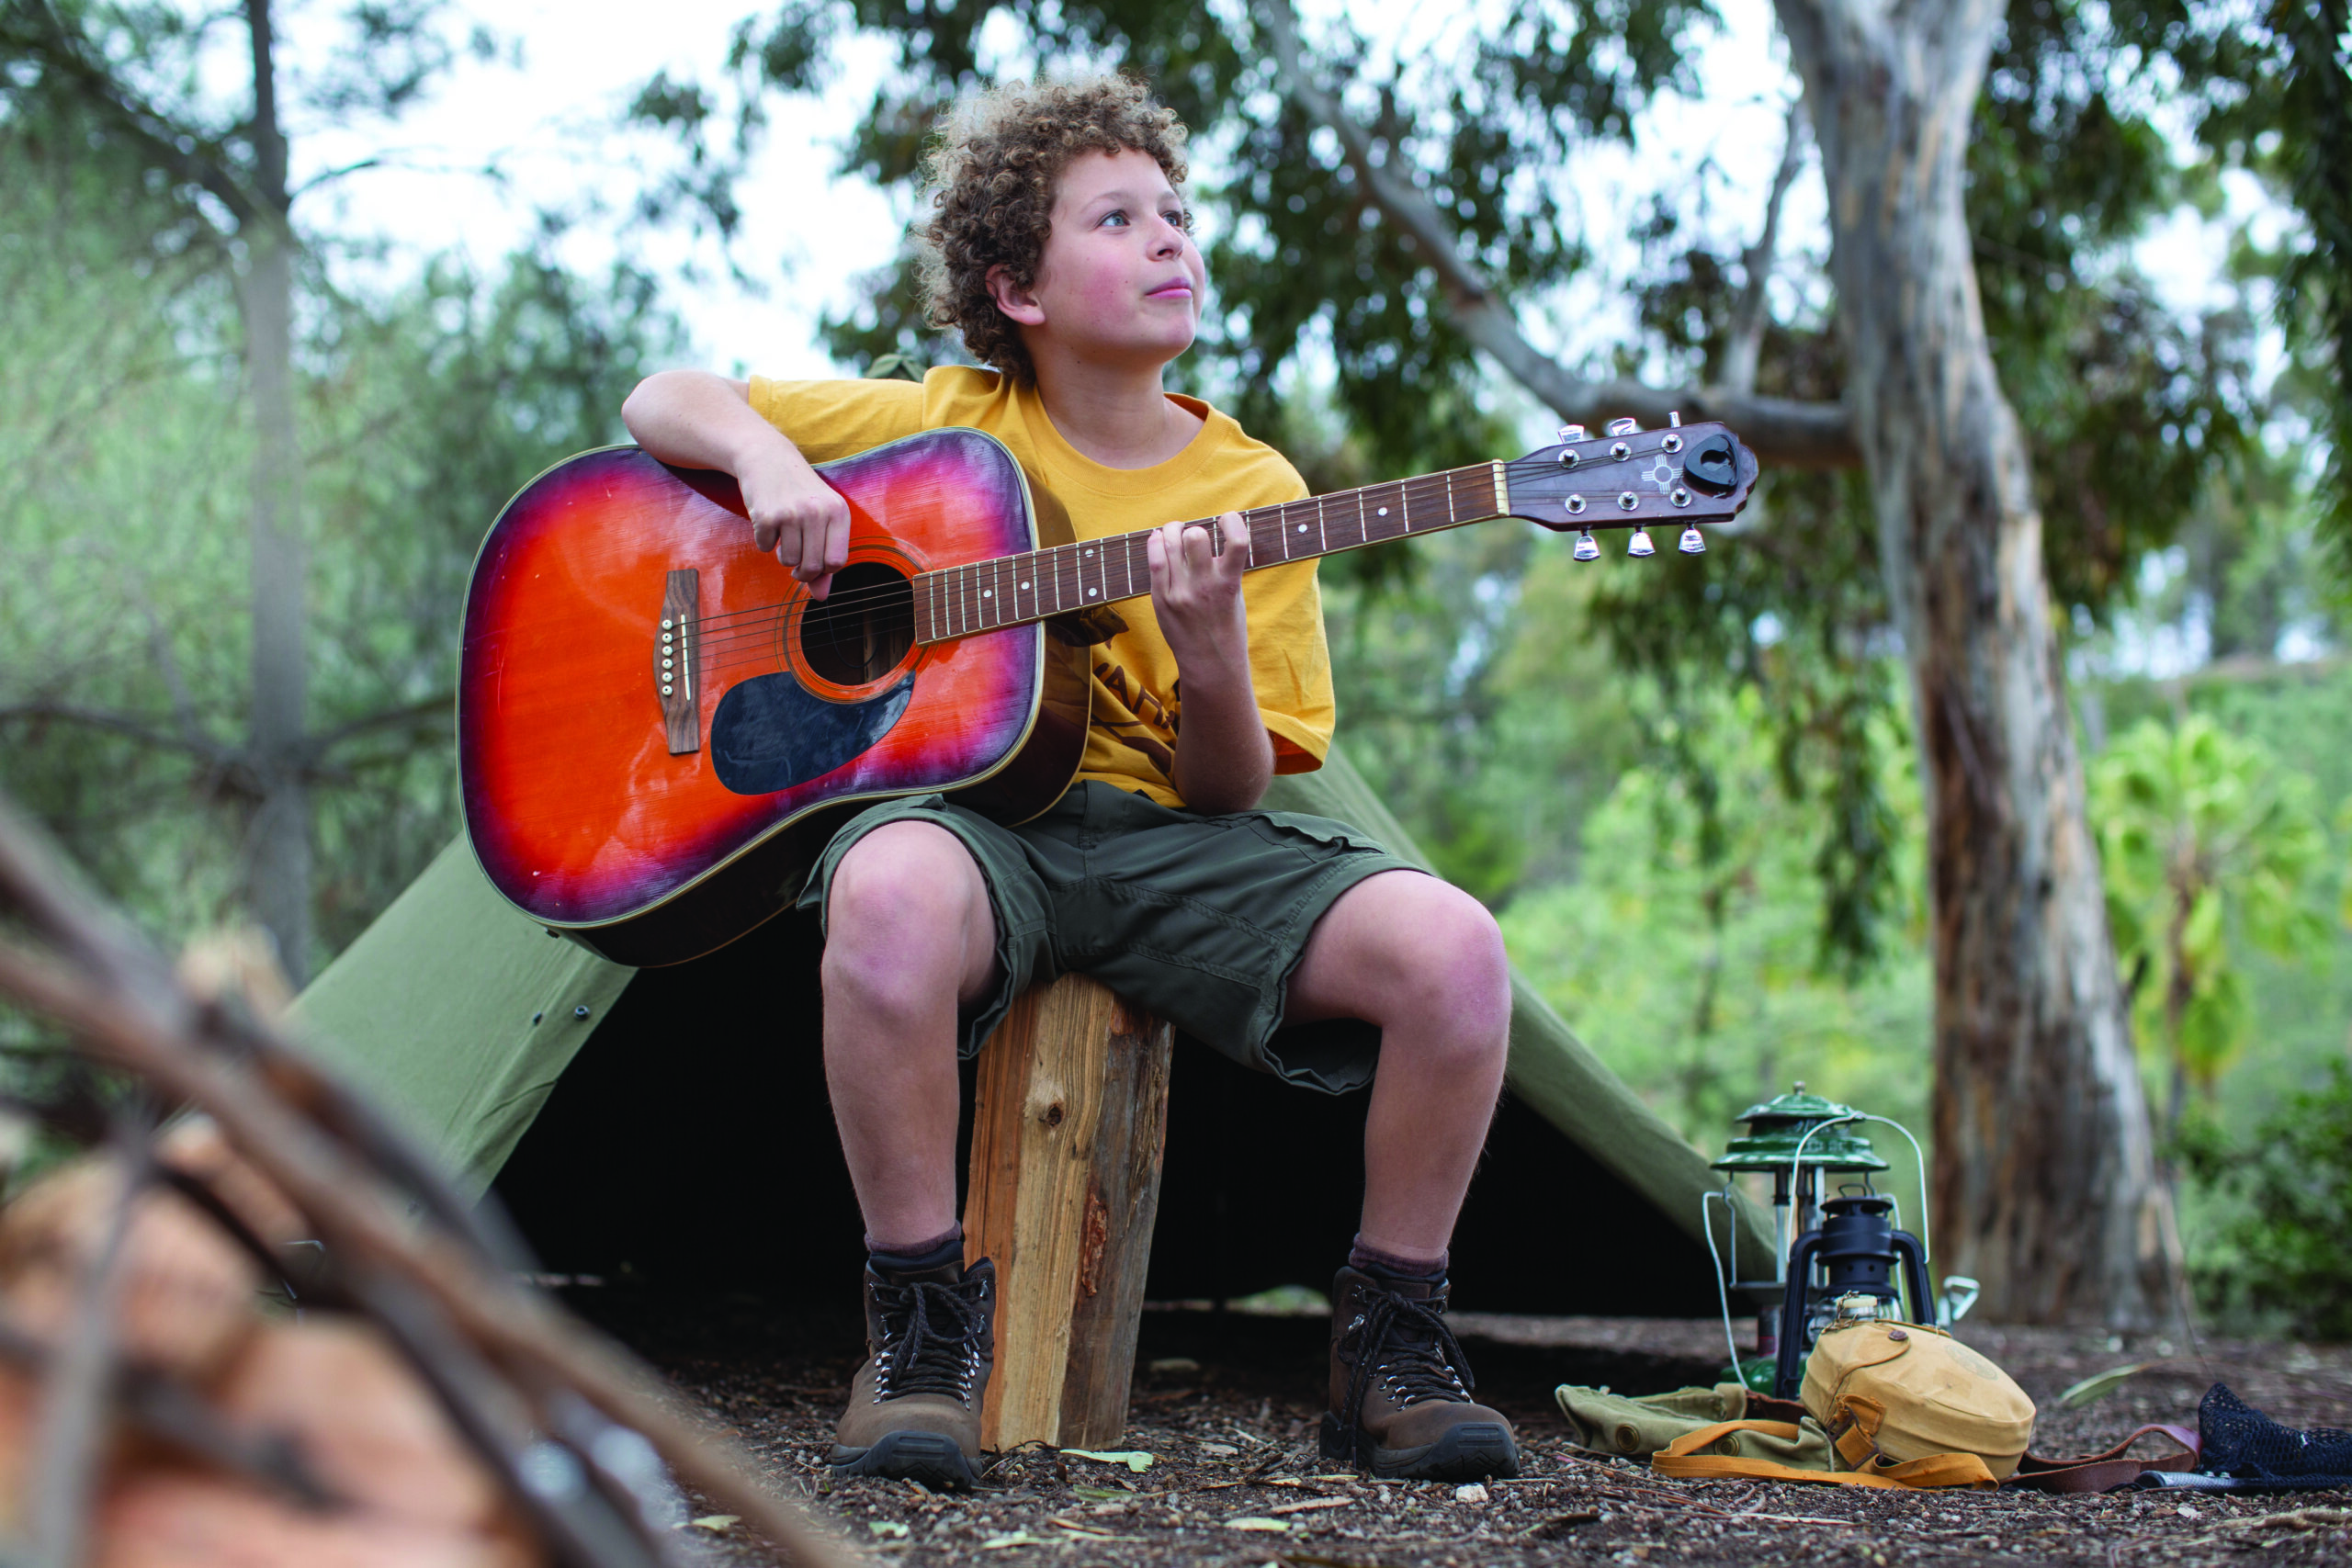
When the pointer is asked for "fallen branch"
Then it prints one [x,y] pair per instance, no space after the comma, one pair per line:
[2300,1519]
[441,1284]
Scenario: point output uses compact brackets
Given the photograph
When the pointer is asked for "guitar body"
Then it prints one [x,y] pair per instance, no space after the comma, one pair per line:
[656,811]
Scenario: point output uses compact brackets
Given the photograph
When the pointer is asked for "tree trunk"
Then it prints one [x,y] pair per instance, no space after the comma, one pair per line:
[279,847]
[2045,1181]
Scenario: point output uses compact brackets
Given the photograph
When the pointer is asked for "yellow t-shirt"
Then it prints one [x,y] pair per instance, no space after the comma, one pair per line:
[1138,700]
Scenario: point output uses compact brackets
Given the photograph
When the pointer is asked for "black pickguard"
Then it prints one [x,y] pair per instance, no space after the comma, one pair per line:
[770,733]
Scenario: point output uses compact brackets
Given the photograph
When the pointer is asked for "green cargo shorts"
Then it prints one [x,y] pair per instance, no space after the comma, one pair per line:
[1198,919]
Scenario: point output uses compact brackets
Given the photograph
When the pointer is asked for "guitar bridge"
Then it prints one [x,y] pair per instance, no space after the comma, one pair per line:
[673,660]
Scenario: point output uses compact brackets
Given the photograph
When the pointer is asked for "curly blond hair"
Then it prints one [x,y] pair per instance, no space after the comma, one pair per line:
[991,177]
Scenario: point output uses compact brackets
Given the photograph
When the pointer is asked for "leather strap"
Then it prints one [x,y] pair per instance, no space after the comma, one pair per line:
[1678,1459]
[2105,1470]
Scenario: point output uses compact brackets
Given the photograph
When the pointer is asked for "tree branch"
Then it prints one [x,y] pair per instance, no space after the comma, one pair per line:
[1751,315]
[73,1425]
[438,706]
[1796,435]
[60,48]
[193,743]
[128,1010]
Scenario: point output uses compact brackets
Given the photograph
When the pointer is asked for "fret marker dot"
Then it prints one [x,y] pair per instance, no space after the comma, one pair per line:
[1302,527]
[988,593]
[1384,512]
[1024,585]
[1092,592]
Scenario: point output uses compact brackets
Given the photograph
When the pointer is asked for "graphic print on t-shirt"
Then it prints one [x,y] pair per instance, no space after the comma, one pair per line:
[1132,714]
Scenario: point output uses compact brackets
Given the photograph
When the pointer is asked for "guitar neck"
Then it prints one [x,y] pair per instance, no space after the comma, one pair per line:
[1036,585]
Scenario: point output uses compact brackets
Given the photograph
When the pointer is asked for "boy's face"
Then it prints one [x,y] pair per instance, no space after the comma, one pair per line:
[1121,280]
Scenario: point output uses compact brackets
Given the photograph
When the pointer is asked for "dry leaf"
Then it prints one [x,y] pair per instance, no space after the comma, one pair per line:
[1134,1460]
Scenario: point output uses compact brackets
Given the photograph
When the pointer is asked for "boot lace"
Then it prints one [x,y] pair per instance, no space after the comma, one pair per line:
[931,1339]
[1407,1346]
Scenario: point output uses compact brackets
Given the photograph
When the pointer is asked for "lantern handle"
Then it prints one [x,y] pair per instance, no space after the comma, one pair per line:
[1927,1247]
[1722,1279]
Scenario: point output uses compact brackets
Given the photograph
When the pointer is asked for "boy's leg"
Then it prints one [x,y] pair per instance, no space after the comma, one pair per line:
[1424,962]
[909,935]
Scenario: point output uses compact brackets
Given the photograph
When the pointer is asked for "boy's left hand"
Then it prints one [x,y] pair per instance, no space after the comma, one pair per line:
[1196,590]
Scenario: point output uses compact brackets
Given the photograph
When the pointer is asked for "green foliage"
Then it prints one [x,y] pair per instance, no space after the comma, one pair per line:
[133,86]
[1474,695]
[2208,848]
[123,628]
[2269,87]
[2285,1253]
[1692,973]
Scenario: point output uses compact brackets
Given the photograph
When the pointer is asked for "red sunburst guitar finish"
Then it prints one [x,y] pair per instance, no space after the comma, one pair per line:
[658,727]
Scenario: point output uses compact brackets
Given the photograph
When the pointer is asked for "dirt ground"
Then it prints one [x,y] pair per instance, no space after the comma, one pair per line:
[1228,1407]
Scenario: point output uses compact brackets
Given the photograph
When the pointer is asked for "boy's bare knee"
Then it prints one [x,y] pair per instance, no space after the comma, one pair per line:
[1452,967]
[907,890]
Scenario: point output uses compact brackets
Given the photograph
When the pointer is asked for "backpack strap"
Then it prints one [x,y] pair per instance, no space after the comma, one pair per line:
[1679,1458]
[2105,1470]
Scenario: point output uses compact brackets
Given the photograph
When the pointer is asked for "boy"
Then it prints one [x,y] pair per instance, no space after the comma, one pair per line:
[1060,246]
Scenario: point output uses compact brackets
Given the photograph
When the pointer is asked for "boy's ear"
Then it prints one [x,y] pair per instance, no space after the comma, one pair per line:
[1018,304]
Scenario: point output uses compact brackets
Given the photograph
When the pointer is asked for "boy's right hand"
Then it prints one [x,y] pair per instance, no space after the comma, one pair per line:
[795,513]
[697,420]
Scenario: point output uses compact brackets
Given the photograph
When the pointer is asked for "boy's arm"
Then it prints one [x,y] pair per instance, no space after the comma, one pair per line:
[1224,760]
[697,420]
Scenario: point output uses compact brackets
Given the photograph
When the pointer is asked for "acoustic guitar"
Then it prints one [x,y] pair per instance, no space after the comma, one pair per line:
[658,727]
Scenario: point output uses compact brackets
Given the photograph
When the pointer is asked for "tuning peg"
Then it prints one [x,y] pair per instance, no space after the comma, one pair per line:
[1692,545]
[1639,545]
[1571,433]
[1587,548]
[1623,426]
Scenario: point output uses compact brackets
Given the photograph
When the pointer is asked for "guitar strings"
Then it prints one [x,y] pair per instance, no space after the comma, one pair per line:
[761,623]
[1419,487]
[755,634]
[761,640]
[1427,486]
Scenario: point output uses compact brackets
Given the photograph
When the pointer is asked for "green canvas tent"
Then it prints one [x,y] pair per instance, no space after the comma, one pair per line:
[673,1121]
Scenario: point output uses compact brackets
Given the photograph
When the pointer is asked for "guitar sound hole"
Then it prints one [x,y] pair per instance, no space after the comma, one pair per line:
[860,630]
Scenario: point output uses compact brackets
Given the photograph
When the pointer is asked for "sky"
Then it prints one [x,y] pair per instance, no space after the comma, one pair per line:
[543,110]
[542,113]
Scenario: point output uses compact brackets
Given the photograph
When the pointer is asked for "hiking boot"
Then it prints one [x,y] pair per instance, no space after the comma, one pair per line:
[1400,1387]
[914,1407]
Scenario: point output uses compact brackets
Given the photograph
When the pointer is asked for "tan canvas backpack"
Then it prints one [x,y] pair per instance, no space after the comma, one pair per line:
[1904,1404]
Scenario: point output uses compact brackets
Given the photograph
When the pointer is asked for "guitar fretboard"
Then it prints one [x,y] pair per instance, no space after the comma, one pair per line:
[1013,591]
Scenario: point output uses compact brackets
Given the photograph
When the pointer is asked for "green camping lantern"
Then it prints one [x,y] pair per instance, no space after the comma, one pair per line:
[1798,1138]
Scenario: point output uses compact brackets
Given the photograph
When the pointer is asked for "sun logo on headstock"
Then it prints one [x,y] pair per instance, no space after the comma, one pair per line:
[1660,475]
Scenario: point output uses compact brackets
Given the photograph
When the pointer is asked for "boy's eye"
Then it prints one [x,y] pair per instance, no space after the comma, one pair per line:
[1116,215]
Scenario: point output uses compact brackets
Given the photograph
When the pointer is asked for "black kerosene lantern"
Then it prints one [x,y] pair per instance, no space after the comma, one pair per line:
[1848,1264]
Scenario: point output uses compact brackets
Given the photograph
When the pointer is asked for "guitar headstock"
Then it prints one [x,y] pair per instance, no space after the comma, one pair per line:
[1685,476]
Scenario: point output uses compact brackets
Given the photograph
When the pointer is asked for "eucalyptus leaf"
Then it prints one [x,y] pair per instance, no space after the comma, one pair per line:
[2098,1385]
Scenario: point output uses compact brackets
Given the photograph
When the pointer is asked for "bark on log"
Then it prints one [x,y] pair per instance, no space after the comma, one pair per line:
[1069,1122]
[2044,1184]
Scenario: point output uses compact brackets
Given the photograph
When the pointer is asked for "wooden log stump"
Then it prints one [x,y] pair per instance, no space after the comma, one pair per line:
[1069,1121]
